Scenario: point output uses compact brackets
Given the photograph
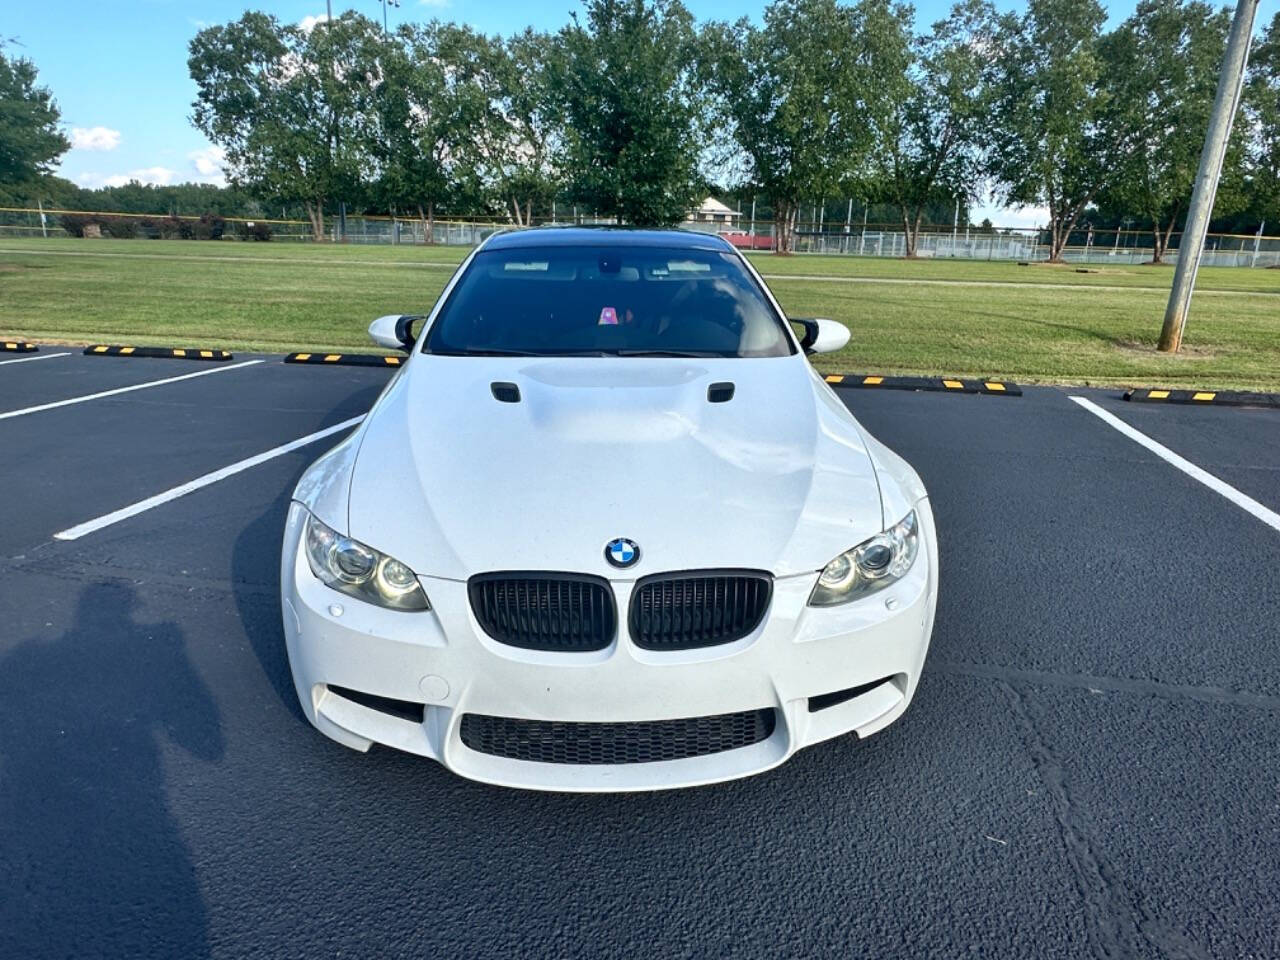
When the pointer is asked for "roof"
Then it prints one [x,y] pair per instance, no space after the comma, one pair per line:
[603,237]
[712,205]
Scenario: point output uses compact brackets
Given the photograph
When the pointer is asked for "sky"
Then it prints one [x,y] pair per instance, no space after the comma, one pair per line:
[119,70]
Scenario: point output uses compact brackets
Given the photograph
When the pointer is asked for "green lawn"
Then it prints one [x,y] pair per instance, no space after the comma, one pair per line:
[1035,323]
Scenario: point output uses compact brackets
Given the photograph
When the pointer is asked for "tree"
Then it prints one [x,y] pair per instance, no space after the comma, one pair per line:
[1051,143]
[796,95]
[528,133]
[432,112]
[1261,122]
[491,125]
[632,103]
[30,141]
[291,107]
[1162,70]
[930,143]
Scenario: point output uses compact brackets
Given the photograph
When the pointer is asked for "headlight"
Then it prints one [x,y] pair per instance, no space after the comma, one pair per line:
[870,566]
[352,568]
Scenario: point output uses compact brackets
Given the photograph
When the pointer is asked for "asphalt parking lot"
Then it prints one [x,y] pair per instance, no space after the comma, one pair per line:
[1090,767]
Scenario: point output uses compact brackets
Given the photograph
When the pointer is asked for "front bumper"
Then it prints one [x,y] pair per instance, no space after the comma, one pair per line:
[443,660]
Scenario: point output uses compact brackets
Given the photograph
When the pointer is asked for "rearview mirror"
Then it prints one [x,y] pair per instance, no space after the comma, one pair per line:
[821,335]
[394,331]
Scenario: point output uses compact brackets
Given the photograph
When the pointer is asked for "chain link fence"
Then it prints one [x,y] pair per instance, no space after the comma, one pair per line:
[1098,248]
[1087,246]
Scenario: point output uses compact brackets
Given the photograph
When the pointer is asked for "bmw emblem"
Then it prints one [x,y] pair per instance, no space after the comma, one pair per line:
[622,552]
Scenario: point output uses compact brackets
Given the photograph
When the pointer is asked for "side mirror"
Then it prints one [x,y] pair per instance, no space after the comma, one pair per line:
[394,331]
[821,335]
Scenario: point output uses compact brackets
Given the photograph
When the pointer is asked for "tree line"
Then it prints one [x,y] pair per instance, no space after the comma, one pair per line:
[634,111]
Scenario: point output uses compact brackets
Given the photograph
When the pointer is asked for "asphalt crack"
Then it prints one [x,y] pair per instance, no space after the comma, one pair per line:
[1097,684]
[1115,927]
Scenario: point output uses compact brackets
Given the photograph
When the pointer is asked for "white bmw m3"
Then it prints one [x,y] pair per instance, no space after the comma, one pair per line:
[606,529]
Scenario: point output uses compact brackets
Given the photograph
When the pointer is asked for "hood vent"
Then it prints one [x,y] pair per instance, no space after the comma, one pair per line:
[720,392]
[505,392]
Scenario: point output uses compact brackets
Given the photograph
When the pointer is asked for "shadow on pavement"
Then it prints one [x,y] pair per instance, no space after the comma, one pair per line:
[93,861]
[255,579]
[255,571]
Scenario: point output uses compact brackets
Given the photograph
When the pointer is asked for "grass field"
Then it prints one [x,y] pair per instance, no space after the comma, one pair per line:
[1035,323]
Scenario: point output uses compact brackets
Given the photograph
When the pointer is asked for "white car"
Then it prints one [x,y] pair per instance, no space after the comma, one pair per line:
[606,529]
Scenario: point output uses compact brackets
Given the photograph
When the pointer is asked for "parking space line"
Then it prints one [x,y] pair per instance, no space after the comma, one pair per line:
[111,393]
[41,356]
[1242,500]
[124,513]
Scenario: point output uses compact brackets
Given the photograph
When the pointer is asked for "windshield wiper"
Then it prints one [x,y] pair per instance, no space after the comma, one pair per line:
[697,354]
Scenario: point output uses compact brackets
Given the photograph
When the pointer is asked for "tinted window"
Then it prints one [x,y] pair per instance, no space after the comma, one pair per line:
[564,301]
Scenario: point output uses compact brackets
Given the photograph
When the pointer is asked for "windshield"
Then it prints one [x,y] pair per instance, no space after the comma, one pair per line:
[608,301]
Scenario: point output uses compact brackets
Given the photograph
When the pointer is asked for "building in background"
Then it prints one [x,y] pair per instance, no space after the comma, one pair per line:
[712,210]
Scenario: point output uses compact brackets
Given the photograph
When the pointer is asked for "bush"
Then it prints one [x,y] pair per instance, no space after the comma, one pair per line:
[74,223]
[210,226]
[161,228]
[119,227]
[253,230]
[122,228]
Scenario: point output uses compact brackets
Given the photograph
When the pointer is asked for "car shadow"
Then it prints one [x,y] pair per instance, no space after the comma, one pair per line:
[255,572]
[93,859]
[255,583]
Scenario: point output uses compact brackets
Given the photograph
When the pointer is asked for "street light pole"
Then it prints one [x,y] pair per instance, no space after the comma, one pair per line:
[1230,81]
[337,130]
[385,4]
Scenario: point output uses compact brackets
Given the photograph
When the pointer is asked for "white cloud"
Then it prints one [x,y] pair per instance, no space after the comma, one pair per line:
[208,163]
[307,24]
[94,138]
[160,176]
[433,3]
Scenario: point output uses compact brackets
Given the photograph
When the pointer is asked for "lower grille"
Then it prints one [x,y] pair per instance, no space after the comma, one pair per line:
[701,608]
[545,611]
[554,741]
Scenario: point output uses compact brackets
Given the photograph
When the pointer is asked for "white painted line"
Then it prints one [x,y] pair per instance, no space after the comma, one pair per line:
[124,513]
[40,356]
[111,393]
[1241,500]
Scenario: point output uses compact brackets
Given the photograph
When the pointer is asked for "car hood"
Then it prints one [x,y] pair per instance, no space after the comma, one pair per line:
[454,482]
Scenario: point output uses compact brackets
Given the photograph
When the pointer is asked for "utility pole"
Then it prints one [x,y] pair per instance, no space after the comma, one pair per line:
[1230,81]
